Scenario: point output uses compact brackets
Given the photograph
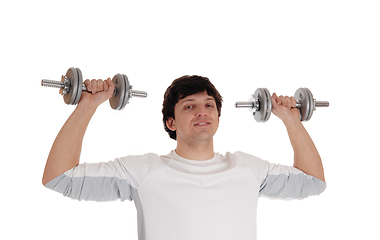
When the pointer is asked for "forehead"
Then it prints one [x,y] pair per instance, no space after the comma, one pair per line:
[201,96]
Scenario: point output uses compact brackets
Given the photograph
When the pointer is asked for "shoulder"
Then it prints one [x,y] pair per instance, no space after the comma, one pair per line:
[256,166]
[243,157]
[248,160]
[146,160]
[137,167]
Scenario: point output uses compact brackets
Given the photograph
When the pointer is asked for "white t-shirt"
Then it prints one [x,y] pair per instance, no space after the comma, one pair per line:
[182,199]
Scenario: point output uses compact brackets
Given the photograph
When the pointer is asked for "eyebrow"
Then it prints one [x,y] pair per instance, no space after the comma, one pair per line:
[192,100]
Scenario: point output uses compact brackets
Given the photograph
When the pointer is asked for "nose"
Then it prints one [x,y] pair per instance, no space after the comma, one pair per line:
[201,111]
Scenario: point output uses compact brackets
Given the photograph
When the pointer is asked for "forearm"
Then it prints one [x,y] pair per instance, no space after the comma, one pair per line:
[306,156]
[66,149]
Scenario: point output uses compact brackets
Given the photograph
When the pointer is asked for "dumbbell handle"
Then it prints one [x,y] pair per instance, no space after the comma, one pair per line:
[255,104]
[316,104]
[61,85]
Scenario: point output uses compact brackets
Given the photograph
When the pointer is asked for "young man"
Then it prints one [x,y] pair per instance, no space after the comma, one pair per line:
[191,193]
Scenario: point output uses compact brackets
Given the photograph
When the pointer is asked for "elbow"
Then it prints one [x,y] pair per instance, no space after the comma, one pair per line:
[44,180]
[319,186]
[322,188]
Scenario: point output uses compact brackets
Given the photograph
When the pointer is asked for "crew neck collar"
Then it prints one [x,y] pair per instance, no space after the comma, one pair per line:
[175,155]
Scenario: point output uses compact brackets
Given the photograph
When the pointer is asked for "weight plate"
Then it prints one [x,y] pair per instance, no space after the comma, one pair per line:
[71,94]
[263,104]
[311,105]
[304,96]
[269,104]
[116,101]
[80,84]
[127,92]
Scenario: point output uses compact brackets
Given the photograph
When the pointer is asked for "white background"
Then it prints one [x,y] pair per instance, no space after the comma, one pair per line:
[332,47]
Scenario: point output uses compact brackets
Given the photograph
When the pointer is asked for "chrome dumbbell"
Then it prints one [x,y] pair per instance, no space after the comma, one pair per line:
[71,87]
[261,104]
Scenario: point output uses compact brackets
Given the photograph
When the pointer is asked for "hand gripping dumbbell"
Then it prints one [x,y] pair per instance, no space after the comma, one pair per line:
[71,87]
[261,104]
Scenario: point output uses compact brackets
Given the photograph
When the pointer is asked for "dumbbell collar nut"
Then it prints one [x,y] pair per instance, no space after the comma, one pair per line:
[66,85]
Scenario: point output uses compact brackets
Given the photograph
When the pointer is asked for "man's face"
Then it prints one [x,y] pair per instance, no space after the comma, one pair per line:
[196,118]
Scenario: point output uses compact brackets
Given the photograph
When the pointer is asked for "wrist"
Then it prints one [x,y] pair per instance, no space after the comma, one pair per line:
[86,108]
[292,121]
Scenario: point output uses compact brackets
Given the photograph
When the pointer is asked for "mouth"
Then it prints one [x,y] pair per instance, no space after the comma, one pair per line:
[202,124]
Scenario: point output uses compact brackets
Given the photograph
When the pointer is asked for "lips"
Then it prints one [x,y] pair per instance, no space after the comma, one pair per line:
[202,124]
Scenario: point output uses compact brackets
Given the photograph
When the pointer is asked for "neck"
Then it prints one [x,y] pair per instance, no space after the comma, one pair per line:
[199,152]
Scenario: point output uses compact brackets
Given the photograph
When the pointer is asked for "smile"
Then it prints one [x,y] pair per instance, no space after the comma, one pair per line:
[202,124]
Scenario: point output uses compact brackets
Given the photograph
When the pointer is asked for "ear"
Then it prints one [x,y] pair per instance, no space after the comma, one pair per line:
[170,123]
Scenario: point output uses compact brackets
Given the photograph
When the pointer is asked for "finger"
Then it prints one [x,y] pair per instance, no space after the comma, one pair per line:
[105,85]
[288,102]
[111,85]
[87,82]
[280,100]
[274,97]
[100,85]
[294,102]
[94,86]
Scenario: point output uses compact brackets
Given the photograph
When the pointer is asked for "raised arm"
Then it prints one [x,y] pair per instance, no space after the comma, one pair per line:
[306,156]
[66,149]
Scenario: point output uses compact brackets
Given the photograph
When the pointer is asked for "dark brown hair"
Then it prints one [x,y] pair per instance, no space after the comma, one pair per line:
[183,87]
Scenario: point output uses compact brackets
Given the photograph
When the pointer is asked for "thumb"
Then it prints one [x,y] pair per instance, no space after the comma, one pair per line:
[110,84]
[274,98]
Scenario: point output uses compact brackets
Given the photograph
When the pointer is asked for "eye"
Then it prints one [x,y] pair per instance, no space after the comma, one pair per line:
[188,107]
[210,105]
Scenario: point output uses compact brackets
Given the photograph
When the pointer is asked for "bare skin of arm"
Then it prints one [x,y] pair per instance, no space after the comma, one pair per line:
[306,156]
[66,149]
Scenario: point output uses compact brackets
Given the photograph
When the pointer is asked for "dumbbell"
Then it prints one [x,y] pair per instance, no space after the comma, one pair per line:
[261,104]
[71,87]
